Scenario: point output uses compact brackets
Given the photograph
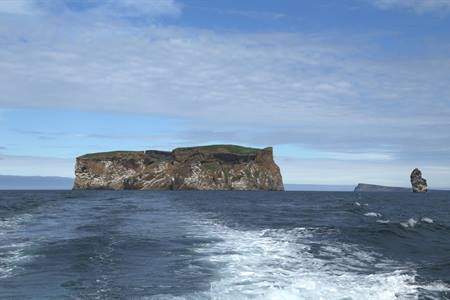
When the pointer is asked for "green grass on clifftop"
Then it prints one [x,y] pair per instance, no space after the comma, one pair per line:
[223,148]
[234,149]
[112,154]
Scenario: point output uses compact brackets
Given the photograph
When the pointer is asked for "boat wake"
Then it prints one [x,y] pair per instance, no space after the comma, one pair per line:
[292,264]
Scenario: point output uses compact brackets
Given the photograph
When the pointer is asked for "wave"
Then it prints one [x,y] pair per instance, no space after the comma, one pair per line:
[290,264]
[235,262]
[13,254]
[383,221]
[372,214]
[427,220]
[411,223]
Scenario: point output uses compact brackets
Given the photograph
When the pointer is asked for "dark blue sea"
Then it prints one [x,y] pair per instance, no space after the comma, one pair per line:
[224,245]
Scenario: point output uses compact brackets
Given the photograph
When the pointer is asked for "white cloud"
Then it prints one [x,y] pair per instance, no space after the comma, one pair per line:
[252,14]
[287,78]
[147,69]
[119,8]
[144,7]
[420,6]
[16,7]
[272,88]
[325,92]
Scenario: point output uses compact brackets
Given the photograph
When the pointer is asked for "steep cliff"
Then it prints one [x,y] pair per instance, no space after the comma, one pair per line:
[215,167]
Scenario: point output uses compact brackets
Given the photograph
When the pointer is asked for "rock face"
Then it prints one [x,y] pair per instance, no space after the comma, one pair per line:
[419,184]
[365,188]
[215,167]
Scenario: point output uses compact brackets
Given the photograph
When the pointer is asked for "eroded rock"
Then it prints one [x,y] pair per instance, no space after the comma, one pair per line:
[216,167]
[419,184]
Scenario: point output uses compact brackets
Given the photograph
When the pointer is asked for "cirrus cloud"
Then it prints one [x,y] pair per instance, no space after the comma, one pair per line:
[17,7]
[332,93]
[420,6]
[272,88]
[114,8]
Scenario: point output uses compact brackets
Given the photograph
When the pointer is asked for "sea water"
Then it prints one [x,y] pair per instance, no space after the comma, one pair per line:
[224,245]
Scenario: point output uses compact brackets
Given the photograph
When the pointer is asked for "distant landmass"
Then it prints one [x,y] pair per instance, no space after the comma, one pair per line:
[418,185]
[9,182]
[318,187]
[364,187]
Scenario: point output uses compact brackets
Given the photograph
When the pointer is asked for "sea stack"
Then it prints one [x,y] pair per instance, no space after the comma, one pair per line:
[419,184]
[214,167]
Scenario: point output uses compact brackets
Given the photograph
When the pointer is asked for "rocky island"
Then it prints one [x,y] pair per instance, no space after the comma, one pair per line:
[214,167]
[419,185]
[366,188]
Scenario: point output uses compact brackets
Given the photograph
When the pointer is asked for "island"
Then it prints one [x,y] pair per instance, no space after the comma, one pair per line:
[213,167]
[366,188]
[418,184]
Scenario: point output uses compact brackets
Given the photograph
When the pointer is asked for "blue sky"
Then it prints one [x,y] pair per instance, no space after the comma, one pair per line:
[346,91]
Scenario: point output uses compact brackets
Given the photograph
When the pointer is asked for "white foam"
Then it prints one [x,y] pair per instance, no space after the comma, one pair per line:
[12,258]
[281,264]
[11,224]
[427,220]
[409,224]
[12,254]
[383,221]
[357,204]
[372,214]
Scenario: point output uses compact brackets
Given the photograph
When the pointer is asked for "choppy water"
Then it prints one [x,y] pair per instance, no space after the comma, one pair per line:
[224,245]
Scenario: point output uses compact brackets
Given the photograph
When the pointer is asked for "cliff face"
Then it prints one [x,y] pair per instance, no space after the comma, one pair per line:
[419,184]
[217,167]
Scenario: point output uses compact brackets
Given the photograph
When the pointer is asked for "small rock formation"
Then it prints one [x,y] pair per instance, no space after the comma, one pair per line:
[419,184]
[366,188]
[215,167]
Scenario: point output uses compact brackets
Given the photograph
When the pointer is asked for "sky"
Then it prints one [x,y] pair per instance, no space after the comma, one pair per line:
[346,91]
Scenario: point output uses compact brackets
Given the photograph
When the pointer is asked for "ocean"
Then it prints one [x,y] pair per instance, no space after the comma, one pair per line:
[224,245]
